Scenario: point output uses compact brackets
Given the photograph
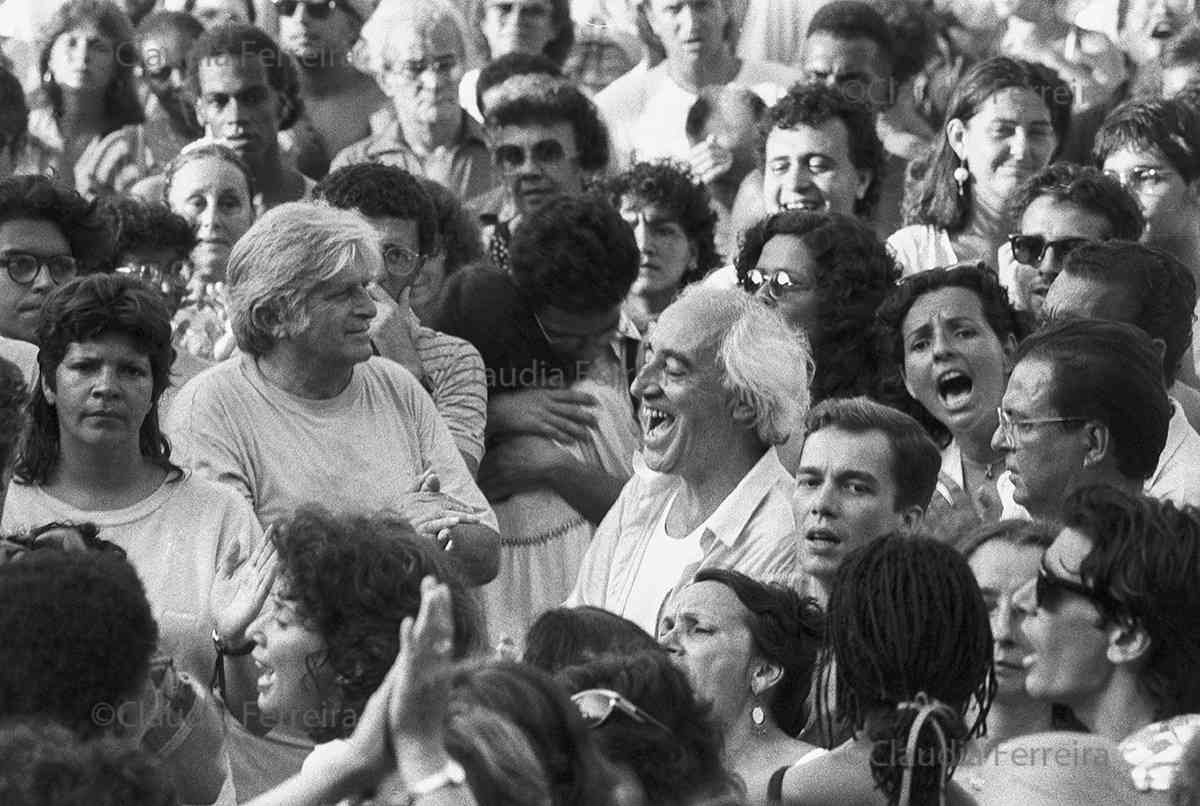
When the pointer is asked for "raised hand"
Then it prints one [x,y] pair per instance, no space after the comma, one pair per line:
[244,580]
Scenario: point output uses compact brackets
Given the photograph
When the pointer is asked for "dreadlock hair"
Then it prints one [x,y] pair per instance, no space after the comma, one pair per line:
[909,652]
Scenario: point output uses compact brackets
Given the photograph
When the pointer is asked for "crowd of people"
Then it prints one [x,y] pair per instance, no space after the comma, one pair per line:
[599,402]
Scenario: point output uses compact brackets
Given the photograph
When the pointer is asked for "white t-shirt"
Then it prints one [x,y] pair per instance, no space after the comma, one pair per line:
[662,566]
[919,247]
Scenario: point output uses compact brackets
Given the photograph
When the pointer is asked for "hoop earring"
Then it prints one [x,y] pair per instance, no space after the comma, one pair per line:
[961,175]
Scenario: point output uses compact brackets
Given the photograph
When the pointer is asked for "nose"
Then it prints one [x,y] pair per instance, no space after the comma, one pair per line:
[42,281]
[1000,439]
[106,381]
[686,20]
[365,306]
[941,344]
[1004,621]
[176,78]
[645,383]
[1024,601]
[1018,144]
[824,499]
[799,178]
[256,632]
[642,237]
[207,220]
[670,641]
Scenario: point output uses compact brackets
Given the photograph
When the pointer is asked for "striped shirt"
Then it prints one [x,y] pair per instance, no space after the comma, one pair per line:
[457,384]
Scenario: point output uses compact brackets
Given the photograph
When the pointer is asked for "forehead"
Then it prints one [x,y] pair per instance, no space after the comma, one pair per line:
[787,252]
[836,451]
[662,5]
[830,138]
[686,327]
[1067,553]
[1015,104]
[1056,218]
[1087,297]
[34,235]
[1003,565]
[86,29]
[230,73]
[1135,155]
[825,48]
[353,273]
[399,231]
[207,174]
[122,345]
[633,208]
[530,133]
[950,303]
[436,37]
[710,599]
[165,44]
[1029,388]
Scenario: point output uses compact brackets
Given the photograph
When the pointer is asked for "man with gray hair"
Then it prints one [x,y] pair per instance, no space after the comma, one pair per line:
[306,414]
[719,389]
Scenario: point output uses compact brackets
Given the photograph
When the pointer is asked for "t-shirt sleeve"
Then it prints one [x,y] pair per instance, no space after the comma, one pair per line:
[459,390]
[204,436]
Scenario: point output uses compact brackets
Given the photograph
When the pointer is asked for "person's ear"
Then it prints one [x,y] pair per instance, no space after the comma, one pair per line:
[1009,350]
[743,414]
[911,519]
[48,391]
[956,135]
[865,178]
[764,675]
[1099,443]
[1128,642]
[1160,347]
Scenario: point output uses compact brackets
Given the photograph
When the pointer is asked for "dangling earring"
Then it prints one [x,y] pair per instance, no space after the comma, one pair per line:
[961,175]
[759,717]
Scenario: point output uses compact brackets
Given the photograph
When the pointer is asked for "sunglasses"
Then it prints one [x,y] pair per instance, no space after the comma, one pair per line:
[318,11]
[596,705]
[1030,249]
[1051,588]
[778,282]
[24,268]
[545,152]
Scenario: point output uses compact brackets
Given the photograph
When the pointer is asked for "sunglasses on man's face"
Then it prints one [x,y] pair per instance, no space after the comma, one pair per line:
[543,152]
[318,11]
[596,705]
[1051,589]
[1030,249]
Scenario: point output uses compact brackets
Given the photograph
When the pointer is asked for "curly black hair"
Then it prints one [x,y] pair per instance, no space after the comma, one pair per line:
[78,633]
[457,229]
[14,114]
[382,191]
[1088,188]
[354,579]
[238,41]
[499,70]
[558,103]
[143,225]
[84,309]
[14,397]
[813,104]
[575,253]
[672,187]
[1146,556]
[88,231]
[854,272]
[678,767]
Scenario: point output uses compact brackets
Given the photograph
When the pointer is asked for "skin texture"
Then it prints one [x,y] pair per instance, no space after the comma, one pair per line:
[799,302]
[284,648]
[340,312]
[1168,204]
[164,62]
[690,30]
[809,167]
[238,104]
[213,196]
[525,28]
[855,66]
[666,253]
[83,59]
[20,305]
[531,183]
[1002,569]
[430,97]
[1054,220]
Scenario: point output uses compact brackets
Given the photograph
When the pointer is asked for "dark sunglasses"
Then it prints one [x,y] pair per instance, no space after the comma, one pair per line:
[596,705]
[1051,588]
[23,268]
[546,152]
[318,11]
[1030,249]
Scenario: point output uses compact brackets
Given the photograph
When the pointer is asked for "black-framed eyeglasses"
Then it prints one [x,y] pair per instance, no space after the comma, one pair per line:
[23,268]
[1051,587]
[545,152]
[318,11]
[400,261]
[596,705]
[1030,249]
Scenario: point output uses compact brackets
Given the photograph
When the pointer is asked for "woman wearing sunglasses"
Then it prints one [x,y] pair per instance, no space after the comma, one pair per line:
[1005,122]
[827,273]
[951,334]
[649,722]
[749,650]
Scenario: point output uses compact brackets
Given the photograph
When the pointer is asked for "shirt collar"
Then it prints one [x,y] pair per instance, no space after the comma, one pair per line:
[730,518]
[392,135]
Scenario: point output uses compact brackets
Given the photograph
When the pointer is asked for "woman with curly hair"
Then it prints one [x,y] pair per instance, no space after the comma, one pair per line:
[749,649]
[87,93]
[672,217]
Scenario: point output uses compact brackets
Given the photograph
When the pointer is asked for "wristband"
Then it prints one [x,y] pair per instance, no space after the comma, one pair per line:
[241,651]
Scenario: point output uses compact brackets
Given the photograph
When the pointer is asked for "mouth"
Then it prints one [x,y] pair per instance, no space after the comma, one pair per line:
[808,204]
[1162,30]
[822,536]
[954,389]
[656,424]
[1009,666]
[266,675]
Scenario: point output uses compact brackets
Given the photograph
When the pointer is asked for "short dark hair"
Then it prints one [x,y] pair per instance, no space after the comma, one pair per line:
[813,104]
[575,253]
[853,271]
[787,629]
[1161,286]
[559,103]
[1086,187]
[567,636]
[1110,372]
[1167,125]
[169,22]
[150,225]
[502,68]
[1013,531]
[78,632]
[675,768]
[916,461]
[378,190]
[672,186]
[1146,556]
[14,398]
[14,114]
[354,579]
[86,308]
[87,230]
[933,197]
[851,19]
[238,41]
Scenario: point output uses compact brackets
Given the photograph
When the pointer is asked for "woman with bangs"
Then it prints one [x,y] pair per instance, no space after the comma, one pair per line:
[951,334]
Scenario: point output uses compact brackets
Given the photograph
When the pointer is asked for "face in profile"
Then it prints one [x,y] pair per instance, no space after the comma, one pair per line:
[1002,569]
[286,652]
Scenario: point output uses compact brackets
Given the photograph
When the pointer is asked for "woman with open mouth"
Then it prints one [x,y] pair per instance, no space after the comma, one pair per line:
[951,333]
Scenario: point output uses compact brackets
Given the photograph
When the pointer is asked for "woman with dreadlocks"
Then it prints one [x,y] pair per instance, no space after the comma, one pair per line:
[909,656]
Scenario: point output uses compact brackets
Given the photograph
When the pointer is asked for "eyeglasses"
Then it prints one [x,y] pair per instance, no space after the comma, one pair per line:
[545,152]
[1051,587]
[596,705]
[318,11]
[415,68]
[778,282]
[1009,427]
[23,268]
[1030,249]
[562,341]
[1137,179]
[153,272]
[401,261]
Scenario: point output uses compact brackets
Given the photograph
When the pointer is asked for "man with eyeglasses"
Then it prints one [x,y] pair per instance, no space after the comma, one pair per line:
[449,368]
[1085,404]
[48,234]
[1058,209]
[1111,616]
[419,53]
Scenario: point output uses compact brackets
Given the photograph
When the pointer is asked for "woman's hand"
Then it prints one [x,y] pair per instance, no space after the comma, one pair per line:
[518,465]
[243,582]
[561,414]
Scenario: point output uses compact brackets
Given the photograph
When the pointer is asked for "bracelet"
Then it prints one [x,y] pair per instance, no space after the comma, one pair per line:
[219,645]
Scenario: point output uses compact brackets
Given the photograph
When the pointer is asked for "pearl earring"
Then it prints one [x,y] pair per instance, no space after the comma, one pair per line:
[961,175]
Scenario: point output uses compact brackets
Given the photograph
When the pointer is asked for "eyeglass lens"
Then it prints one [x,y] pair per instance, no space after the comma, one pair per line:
[546,152]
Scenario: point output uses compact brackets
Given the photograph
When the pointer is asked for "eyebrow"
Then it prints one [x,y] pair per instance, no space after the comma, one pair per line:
[953,320]
[678,356]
